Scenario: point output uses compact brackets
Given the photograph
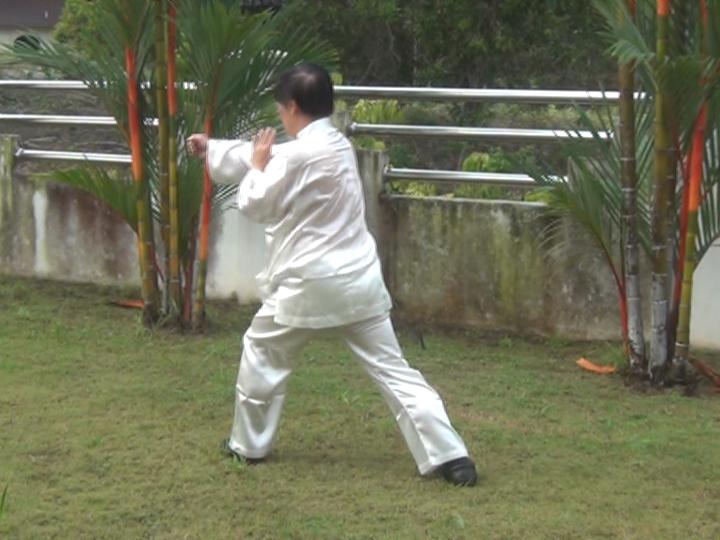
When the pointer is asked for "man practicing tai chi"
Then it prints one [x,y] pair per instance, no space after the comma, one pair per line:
[322,273]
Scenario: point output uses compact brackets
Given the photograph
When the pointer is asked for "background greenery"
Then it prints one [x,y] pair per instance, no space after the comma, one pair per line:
[472,43]
[463,43]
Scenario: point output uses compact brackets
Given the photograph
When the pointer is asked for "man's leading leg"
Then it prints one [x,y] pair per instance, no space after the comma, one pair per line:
[417,407]
[266,363]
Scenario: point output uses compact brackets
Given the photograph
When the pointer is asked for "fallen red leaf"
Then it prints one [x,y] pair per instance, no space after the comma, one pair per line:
[587,365]
[130,304]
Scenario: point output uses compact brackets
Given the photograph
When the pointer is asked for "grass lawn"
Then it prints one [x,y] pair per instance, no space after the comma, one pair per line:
[108,430]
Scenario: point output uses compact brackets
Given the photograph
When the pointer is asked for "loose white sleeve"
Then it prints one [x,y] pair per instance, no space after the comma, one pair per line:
[262,195]
[228,161]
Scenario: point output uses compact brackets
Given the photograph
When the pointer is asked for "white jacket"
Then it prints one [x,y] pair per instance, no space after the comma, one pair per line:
[322,270]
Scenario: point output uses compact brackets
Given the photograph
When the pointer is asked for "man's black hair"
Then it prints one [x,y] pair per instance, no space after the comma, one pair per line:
[310,86]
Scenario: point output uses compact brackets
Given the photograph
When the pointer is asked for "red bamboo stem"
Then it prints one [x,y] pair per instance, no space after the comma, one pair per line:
[134,116]
[206,200]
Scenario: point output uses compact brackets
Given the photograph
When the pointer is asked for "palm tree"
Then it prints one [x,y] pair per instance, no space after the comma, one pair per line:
[677,99]
[112,76]
[234,58]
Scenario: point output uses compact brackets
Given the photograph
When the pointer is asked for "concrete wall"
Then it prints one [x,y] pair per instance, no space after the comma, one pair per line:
[472,263]
[487,265]
[705,316]
[50,230]
[482,264]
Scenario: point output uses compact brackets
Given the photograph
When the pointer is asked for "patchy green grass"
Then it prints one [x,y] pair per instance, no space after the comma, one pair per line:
[109,430]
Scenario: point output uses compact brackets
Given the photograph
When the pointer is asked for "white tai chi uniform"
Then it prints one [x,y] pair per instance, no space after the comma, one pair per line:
[322,272]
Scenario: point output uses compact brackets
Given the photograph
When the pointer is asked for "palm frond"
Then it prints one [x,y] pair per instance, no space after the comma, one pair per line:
[235,58]
[632,39]
[120,25]
[592,193]
[709,211]
[190,189]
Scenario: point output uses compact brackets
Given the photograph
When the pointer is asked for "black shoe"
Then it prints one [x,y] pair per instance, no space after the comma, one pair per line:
[460,472]
[229,452]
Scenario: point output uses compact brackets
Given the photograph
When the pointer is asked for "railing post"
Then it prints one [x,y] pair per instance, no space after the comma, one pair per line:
[341,120]
[371,164]
[8,148]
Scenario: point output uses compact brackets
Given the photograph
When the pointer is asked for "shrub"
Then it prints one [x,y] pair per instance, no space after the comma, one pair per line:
[78,26]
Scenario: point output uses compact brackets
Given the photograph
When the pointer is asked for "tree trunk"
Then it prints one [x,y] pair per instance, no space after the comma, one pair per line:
[198,314]
[146,250]
[658,341]
[682,344]
[163,146]
[697,155]
[173,245]
[636,339]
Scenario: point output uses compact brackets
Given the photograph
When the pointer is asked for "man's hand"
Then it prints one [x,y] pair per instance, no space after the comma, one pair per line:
[262,148]
[197,145]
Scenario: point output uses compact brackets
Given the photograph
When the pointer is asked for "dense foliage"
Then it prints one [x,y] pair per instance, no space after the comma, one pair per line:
[473,43]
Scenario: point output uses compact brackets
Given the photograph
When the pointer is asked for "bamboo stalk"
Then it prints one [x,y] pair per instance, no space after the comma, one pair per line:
[634,330]
[189,272]
[658,341]
[198,314]
[163,143]
[697,154]
[690,260]
[146,249]
[173,245]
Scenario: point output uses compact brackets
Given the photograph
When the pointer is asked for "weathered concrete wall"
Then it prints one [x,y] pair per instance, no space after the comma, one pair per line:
[481,263]
[51,230]
[487,265]
[705,316]
[473,263]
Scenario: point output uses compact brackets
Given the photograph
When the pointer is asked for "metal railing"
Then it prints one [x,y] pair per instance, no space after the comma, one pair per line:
[58,119]
[56,155]
[567,97]
[375,130]
[486,95]
[425,175]
[478,134]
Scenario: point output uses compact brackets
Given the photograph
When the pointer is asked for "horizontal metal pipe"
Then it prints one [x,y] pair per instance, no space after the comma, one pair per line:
[497,179]
[457,132]
[54,155]
[488,95]
[354,129]
[32,84]
[58,119]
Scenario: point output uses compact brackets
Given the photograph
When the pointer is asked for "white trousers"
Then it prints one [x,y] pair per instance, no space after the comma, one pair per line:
[270,351]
